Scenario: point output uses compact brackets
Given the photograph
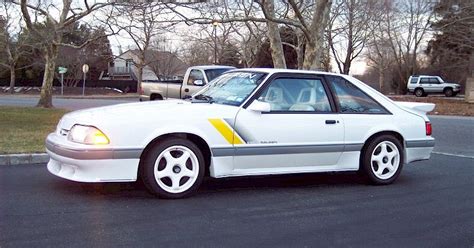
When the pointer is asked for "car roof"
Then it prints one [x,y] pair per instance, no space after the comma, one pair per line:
[423,76]
[275,70]
[206,67]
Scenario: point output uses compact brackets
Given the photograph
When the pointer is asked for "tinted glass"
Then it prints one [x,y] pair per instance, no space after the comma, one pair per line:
[425,81]
[414,80]
[352,99]
[296,94]
[213,73]
[434,81]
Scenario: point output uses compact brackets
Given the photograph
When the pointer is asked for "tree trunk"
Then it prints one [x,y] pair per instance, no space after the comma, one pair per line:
[276,47]
[300,50]
[12,79]
[381,79]
[139,77]
[314,48]
[310,61]
[46,97]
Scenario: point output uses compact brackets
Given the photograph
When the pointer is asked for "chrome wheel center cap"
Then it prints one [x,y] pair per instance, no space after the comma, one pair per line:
[176,169]
[385,159]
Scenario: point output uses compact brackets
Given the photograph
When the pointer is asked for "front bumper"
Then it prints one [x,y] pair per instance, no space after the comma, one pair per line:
[144,98]
[86,164]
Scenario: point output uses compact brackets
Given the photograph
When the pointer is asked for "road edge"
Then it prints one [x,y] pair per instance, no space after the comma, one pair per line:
[19,159]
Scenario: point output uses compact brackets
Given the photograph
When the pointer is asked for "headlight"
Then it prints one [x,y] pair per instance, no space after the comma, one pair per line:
[87,135]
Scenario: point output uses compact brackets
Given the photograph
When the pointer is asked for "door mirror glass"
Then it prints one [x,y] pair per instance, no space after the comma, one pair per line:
[198,82]
[259,106]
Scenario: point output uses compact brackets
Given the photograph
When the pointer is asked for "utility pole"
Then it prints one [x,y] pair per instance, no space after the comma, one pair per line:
[214,24]
[85,69]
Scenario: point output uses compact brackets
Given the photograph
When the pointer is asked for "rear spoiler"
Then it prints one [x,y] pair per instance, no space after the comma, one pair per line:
[422,107]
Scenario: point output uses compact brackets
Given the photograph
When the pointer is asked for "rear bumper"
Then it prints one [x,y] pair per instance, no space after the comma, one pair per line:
[91,165]
[416,150]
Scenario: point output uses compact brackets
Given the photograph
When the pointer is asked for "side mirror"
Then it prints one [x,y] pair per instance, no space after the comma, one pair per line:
[259,106]
[198,82]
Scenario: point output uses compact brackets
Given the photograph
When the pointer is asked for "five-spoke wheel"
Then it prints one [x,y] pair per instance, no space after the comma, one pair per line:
[382,159]
[173,168]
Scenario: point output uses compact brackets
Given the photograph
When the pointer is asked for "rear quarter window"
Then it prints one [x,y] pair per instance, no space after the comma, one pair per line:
[414,80]
[353,100]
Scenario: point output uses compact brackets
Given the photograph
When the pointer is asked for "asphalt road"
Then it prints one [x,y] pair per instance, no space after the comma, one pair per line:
[71,104]
[431,205]
[454,135]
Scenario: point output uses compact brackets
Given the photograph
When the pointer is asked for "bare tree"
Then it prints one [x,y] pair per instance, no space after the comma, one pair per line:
[406,25]
[166,63]
[50,32]
[276,46]
[310,17]
[13,41]
[351,23]
[380,57]
[143,23]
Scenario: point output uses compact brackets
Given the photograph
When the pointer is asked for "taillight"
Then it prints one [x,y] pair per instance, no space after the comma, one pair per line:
[429,129]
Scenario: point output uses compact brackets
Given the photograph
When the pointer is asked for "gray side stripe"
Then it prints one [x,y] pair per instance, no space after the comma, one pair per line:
[271,150]
[93,154]
[420,143]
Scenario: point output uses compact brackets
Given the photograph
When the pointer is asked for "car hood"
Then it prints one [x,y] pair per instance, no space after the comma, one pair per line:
[146,112]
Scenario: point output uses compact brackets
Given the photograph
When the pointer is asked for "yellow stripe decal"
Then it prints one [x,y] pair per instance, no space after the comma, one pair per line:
[226,131]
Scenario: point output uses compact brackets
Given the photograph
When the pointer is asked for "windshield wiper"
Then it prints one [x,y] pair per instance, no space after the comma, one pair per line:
[204,98]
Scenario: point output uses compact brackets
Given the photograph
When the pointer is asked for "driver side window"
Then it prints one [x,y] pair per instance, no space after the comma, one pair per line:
[296,95]
[195,75]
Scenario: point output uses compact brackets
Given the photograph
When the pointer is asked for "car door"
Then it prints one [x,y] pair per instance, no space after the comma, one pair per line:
[300,130]
[436,85]
[425,83]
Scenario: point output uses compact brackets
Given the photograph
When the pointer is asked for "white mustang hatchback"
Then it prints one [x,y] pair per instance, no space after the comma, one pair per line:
[246,122]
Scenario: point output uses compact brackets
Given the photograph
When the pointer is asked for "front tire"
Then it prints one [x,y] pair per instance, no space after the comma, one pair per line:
[382,160]
[173,168]
[448,92]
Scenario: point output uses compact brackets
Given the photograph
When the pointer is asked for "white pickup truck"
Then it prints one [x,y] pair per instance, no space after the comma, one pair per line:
[194,79]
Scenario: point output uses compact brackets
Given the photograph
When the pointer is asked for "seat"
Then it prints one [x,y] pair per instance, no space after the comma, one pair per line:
[305,101]
[274,96]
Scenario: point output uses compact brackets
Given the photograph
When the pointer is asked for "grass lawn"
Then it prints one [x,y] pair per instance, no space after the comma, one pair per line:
[24,129]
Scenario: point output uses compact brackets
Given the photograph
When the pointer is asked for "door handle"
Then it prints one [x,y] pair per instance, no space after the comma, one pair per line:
[186,90]
[330,121]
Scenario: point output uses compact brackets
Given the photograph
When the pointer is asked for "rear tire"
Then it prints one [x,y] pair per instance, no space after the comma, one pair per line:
[419,92]
[173,168]
[154,97]
[382,160]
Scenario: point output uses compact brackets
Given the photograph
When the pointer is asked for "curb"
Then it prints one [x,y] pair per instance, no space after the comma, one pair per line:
[17,159]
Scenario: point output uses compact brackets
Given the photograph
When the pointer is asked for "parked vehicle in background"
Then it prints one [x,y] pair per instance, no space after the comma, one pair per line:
[194,79]
[422,85]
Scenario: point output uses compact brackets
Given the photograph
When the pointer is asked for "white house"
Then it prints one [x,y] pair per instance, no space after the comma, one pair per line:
[159,66]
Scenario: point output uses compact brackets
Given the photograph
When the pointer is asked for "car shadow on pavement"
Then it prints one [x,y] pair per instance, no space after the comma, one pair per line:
[216,186]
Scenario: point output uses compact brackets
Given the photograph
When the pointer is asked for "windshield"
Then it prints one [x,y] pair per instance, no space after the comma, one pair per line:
[231,88]
[213,73]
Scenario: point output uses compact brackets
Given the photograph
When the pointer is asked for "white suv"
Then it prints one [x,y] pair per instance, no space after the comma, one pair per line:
[422,85]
